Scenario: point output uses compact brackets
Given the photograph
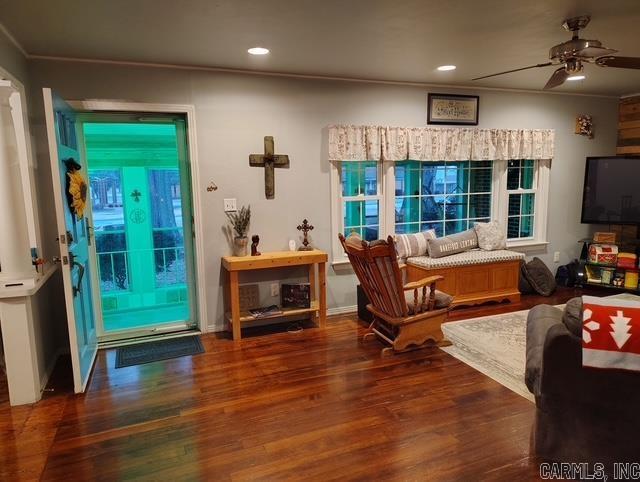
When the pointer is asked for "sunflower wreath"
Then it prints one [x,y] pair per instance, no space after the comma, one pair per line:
[76,188]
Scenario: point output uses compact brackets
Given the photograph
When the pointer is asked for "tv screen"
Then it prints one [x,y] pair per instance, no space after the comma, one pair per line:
[611,191]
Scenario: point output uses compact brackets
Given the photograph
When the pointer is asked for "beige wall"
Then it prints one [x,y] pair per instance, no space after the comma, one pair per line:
[234,112]
[12,60]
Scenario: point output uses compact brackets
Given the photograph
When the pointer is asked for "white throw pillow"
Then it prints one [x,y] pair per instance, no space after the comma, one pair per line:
[408,245]
[491,236]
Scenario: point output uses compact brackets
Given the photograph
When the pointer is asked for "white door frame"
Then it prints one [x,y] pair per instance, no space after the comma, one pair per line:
[189,112]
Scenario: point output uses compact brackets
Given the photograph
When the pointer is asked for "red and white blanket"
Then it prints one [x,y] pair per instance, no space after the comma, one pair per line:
[610,333]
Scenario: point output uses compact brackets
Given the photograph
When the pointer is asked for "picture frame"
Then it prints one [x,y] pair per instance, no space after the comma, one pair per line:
[296,295]
[453,109]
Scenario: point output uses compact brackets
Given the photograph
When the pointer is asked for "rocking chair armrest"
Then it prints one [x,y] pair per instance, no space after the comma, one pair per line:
[423,282]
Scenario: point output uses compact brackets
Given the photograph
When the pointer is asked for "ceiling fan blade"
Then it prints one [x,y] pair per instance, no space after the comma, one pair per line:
[558,78]
[515,70]
[619,62]
[592,52]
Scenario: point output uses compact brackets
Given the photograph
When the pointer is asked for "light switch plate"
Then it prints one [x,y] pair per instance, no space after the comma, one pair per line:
[230,205]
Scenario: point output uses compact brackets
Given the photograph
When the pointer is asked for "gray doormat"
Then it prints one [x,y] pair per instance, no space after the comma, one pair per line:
[141,353]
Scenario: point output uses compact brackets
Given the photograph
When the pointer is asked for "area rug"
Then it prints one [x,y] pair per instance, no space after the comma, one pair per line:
[496,345]
[152,351]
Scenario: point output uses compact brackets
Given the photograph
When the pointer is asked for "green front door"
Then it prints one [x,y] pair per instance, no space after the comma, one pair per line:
[138,175]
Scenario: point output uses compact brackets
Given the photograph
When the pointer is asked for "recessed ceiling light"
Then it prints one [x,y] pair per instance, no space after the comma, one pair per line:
[258,51]
[577,77]
[444,68]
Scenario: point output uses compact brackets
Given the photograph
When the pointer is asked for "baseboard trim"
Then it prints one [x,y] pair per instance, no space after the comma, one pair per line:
[342,310]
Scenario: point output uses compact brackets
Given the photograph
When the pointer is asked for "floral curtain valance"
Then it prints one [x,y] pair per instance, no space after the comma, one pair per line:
[361,143]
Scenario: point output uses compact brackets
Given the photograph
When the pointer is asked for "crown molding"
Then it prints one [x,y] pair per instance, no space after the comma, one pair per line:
[203,68]
[14,41]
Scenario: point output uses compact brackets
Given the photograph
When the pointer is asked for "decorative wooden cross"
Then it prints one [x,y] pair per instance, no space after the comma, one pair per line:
[269,161]
[136,195]
[305,227]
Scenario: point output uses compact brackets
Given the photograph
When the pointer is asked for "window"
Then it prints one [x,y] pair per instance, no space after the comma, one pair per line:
[376,199]
[446,196]
[109,226]
[360,199]
[521,198]
[168,233]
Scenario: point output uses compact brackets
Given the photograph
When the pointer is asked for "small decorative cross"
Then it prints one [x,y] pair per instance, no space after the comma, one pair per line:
[269,161]
[136,195]
[305,227]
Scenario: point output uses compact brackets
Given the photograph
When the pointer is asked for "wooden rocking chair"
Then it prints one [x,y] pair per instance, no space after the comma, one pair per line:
[405,324]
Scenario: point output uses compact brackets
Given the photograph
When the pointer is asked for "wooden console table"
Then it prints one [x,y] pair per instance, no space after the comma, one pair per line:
[279,259]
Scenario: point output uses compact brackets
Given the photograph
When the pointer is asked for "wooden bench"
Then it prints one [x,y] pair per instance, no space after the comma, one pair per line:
[472,277]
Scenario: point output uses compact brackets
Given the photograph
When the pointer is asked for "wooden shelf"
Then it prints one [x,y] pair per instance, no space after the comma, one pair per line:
[603,265]
[312,259]
[277,259]
[246,316]
[612,287]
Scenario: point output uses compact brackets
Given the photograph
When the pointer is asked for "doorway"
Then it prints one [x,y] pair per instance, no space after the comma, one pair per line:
[141,217]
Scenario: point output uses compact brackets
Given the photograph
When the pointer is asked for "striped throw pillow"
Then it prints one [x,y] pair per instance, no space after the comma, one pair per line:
[408,245]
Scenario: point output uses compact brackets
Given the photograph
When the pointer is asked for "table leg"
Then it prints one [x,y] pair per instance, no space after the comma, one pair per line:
[322,285]
[312,289]
[234,294]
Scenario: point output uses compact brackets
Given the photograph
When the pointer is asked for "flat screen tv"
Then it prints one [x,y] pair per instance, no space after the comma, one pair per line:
[611,191]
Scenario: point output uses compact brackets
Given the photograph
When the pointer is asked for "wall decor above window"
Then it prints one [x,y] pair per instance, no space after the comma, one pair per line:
[453,109]
[584,125]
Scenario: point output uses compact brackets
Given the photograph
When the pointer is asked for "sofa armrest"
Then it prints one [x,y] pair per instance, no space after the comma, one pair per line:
[562,372]
[540,320]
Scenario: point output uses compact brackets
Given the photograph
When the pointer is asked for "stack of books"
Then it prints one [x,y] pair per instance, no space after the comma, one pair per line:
[265,311]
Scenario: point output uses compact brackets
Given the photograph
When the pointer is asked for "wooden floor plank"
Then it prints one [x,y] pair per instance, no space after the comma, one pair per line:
[314,405]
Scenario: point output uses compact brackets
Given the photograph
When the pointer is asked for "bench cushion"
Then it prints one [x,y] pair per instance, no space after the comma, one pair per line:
[468,258]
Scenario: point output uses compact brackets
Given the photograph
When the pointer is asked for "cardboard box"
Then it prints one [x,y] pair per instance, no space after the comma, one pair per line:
[604,237]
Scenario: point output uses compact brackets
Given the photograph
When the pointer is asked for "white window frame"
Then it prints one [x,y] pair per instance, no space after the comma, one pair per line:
[337,200]
[541,190]
[499,204]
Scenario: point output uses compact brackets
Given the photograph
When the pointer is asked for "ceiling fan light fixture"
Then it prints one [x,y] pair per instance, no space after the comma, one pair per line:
[258,51]
[446,68]
[573,54]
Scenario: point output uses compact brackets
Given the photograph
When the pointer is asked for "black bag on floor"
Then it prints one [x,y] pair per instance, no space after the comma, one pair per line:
[567,274]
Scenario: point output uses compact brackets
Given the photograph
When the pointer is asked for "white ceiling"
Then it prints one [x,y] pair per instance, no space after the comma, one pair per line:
[398,40]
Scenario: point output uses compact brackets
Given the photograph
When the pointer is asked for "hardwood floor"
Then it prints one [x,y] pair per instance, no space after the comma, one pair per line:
[313,405]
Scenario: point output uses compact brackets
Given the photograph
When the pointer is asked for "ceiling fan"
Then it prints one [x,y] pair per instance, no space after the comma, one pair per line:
[573,54]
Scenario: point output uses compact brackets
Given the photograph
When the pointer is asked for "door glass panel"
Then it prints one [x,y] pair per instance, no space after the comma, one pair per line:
[108,221]
[168,234]
[135,183]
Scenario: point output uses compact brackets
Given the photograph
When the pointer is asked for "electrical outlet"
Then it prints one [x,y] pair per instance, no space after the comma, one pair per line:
[230,205]
[556,257]
[275,289]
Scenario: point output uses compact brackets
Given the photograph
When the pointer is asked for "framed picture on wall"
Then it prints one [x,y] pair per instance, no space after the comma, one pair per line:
[453,109]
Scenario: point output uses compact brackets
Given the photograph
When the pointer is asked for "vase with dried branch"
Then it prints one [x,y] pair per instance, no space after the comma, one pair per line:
[240,224]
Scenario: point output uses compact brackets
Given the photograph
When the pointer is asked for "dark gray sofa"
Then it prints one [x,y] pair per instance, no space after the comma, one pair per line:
[582,414]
